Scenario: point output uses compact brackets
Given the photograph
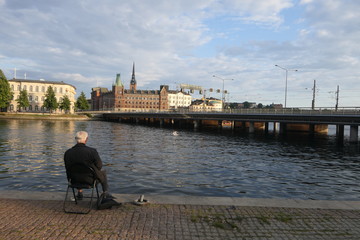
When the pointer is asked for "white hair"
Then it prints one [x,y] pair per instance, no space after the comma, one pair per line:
[81,136]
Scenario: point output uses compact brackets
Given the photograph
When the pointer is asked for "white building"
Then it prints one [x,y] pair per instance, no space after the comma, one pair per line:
[207,105]
[179,99]
[36,90]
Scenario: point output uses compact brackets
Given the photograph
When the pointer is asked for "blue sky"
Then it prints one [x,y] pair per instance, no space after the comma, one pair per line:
[86,43]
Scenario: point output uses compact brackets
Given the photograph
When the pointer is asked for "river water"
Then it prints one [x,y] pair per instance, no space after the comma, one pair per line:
[153,160]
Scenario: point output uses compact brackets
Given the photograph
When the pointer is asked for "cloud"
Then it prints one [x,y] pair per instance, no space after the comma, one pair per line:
[86,43]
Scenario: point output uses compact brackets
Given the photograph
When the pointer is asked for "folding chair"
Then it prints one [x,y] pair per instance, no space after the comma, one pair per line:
[81,176]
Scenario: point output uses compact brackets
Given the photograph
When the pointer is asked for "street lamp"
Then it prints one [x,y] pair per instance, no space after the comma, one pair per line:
[223,85]
[286,76]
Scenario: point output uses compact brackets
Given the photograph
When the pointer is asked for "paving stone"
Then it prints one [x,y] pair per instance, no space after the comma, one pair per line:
[45,219]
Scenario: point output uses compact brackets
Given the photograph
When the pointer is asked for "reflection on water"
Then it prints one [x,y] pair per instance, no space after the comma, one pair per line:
[145,160]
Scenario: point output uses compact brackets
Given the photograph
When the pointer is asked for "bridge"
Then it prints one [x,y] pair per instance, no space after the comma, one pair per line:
[251,119]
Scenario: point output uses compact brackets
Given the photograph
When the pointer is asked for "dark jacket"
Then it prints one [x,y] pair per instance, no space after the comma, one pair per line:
[82,154]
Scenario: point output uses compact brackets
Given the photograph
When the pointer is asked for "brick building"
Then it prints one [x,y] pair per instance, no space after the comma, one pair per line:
[121,99]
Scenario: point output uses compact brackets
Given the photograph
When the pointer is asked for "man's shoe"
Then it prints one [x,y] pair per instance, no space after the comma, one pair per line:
[108,195]
[80,196]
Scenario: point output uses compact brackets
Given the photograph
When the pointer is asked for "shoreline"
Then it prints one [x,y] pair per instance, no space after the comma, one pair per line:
[45,116]
[199,200]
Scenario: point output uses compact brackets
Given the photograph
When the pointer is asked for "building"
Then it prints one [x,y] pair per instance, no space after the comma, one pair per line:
[208,104]
[132,99]
[36,90]
[178,99]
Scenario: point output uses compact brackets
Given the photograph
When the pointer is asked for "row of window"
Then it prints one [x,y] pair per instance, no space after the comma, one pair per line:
[36,88]
[30,108]
[131,106]
[36,98]
[142,103]
[181,102]
[142,98]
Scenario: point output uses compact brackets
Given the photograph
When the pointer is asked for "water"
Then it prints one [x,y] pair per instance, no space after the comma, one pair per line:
[151,160]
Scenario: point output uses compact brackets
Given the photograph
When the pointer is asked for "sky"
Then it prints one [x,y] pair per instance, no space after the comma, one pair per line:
[86,43]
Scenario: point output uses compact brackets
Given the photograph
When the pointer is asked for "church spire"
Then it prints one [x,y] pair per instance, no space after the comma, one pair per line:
[133,80]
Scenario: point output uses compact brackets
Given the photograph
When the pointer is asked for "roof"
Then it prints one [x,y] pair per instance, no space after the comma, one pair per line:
[176,92]
[39,81]
[101,89]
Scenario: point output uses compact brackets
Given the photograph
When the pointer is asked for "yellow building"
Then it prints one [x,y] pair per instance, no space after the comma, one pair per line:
[36,90]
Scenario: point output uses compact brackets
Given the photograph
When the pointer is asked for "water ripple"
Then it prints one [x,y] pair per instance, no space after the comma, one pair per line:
[144,160]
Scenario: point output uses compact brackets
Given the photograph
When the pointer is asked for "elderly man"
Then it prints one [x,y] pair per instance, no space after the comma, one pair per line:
[80,153]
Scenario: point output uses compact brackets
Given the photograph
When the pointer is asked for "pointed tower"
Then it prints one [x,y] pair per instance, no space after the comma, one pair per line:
[118,82]
[118,86]
[133,80]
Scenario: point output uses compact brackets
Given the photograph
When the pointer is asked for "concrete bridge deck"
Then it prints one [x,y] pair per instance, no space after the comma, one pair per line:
[311,121]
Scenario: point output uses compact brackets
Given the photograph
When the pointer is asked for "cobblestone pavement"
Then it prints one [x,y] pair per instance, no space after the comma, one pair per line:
[45,219]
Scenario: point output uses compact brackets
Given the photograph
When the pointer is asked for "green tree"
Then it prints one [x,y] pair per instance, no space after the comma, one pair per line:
[23,100]
[5,92]
[50,101]
[246,104]
[65,104]
[260,105]
[81,102]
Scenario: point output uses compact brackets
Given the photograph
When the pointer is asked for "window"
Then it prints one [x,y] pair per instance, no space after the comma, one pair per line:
[24,88]
[31,88]
[42,98]
[12,87]
[61,90]
[43,89]
[37,88]
[36,98]
[36,108]
[55,90]
[30,98]
[30,108]
[18,88]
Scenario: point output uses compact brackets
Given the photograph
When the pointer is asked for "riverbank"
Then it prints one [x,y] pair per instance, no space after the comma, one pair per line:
[34,215]
[44,116]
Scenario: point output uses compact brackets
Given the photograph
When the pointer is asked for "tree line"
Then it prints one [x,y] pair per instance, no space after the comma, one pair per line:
[50,101]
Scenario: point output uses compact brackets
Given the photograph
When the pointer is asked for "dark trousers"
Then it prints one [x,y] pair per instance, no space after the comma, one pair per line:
[101,176]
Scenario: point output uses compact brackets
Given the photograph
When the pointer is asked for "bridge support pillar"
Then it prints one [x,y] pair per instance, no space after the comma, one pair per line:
[161,122]
[311,129]
[283,129]
[196,124]
[251,127]
[232,125]
[243,125]
[266,127]
[354,129]
[274,127]
[340,133]
[220,124]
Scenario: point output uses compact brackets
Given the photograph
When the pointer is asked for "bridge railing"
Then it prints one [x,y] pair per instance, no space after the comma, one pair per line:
[284,111]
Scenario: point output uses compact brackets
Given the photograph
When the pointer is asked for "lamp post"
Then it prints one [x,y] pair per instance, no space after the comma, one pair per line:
[286,76]
[223,85]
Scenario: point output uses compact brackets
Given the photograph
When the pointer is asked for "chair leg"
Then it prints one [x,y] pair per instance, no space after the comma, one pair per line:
[76,202]
[73,190]
[97,196]
[66,195]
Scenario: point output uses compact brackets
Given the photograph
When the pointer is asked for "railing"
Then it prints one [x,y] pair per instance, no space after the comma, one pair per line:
[284,111]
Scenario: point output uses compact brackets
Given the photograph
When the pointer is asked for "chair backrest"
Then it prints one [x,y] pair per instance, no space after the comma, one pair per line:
[81,174]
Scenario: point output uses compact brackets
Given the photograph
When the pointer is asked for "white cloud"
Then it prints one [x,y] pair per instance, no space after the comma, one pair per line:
[88,42]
